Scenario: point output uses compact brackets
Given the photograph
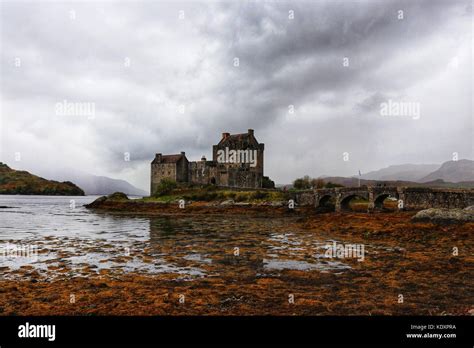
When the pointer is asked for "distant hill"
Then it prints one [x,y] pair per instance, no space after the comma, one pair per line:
[451,174]
[102,185]
[453,171]
[21,182]
[354,182]
[93,184]
[403,172]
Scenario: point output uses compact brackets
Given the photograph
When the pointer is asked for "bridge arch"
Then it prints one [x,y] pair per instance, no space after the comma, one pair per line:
[327,202]
[410,197]
[380,197]
[346,200]
[378,201]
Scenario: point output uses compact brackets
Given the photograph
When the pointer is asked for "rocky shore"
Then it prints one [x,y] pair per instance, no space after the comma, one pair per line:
[445,216]
[121,204]
[407,268]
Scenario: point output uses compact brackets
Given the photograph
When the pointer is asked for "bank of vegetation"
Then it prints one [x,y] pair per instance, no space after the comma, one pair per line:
[20,182]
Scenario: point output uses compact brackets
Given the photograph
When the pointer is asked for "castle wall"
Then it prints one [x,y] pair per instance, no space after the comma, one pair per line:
[177,171]
[236,176]
[182,170]
[243,175]
[240,174]
[161,171]
[202,173]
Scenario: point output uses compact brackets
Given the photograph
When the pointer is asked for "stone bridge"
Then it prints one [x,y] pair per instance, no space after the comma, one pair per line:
[407,197]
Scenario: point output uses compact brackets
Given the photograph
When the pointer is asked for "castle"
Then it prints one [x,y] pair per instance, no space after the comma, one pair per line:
[237,161]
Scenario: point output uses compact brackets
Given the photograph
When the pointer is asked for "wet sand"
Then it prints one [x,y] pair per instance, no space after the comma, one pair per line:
[415,261]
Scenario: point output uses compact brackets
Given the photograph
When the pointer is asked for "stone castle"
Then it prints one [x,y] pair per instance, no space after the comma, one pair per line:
[237,161]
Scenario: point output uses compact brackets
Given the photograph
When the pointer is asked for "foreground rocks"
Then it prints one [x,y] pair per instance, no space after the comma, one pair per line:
[121,204]
[445,216]
[415,260]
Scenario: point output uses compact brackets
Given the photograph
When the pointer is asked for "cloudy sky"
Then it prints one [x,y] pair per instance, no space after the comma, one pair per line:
[311,77]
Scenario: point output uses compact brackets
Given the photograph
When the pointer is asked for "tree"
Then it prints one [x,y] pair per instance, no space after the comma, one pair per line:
[268,183]
[166,186]
[303,183]
[317,183]
[331,185]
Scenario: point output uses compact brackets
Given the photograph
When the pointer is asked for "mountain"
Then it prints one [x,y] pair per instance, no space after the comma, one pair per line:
[451,174]
[102,185]
[21,182]
[354,182]
[93,184]
[403,172]
[453,171]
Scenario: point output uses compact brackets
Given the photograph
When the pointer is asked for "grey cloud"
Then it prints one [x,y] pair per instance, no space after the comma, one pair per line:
[190,62]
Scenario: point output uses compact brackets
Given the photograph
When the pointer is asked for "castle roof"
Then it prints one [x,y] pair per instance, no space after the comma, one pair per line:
[168,158]
[235,138]
[238,137]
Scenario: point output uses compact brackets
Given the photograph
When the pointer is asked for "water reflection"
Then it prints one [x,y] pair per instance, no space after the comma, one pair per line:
[77,242]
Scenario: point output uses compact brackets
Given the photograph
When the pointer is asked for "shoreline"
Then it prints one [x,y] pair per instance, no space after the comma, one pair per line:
[415,260]
[119,203]
[196,208]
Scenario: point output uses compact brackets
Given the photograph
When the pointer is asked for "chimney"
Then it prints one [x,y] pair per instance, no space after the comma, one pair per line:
[158,157]
[225,135]
[203,158]
[250,131]
[183,153]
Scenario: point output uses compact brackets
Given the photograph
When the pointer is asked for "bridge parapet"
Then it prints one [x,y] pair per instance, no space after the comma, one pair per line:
[408,197]
[340,195]
[425,197]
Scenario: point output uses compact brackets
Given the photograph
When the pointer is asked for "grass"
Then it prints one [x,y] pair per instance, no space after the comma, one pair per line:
[21,182]
[208,194]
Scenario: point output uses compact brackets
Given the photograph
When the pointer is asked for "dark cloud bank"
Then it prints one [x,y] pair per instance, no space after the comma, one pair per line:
[311,78]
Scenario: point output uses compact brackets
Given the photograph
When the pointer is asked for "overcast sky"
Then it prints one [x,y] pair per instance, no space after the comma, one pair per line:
[310,77]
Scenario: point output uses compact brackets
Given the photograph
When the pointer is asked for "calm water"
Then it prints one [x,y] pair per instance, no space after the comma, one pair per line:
[58,237]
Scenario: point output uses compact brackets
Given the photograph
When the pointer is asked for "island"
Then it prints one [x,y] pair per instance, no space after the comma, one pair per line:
[20,182]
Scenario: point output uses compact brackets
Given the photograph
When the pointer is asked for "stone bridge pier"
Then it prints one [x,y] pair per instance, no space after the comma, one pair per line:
[342,196]
[407,197]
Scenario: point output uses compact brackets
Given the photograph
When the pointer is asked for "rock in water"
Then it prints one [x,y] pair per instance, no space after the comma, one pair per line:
[117,196]
[114,197]
[445,216]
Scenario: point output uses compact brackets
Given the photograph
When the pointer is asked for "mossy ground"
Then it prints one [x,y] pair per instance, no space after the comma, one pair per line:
[413,260]
[208,194]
